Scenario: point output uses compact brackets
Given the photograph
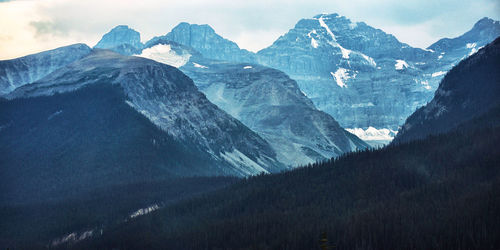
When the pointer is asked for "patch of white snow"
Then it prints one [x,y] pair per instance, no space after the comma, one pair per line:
[400,64]
[163,53]
[144,211]
[340,76]
[199,66]
[439,73]
[371,133]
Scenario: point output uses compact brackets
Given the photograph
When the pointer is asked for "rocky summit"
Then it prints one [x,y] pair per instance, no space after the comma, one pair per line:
[121,39]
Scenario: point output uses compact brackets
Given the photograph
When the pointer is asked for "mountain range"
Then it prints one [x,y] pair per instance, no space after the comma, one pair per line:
[420,192]
[363,77]
[180,140]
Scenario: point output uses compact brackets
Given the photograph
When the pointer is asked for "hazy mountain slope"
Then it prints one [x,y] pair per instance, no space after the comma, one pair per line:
[27,69]
[270,103]
[470,89]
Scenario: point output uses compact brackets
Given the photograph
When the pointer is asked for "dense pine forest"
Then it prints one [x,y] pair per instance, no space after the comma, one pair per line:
[442,192]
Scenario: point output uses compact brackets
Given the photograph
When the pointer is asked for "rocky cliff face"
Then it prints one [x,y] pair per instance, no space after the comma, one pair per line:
[469,90]
[27,69]
[204,39]
[171,101]
[362,76]
[121,39]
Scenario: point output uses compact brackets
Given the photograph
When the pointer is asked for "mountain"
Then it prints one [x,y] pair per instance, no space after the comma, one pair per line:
[470,89]
[365,78]
[264,99]
[171,101]
[27,69]
[60,146]
[360,75]
[204,40]
[271,104]
[121,39]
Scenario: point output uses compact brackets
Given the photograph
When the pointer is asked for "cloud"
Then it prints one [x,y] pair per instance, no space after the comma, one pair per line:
[49,28]
[38,25]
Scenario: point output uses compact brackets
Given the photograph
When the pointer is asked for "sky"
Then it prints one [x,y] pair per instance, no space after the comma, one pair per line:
[30,26]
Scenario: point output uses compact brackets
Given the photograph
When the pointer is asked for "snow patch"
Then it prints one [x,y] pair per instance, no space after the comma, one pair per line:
[314,43]
[353,25]
[471,45]
[372,134]
[247,67]
[369,60]
[199,66]
[439,73]
[340,76]
[72,238]
[323,24]
[163,53]
[144,211]
[345,52]
[54,115]
[426,84]
[473,49]
[242,162]
[400,64]
[362,105]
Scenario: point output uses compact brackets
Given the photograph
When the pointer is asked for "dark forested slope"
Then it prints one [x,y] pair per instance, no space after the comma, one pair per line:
[439,193]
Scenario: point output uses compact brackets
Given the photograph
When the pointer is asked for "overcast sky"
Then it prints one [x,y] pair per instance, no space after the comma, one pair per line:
[28,26]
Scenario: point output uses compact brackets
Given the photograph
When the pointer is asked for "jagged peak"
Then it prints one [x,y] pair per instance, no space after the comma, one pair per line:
[331,15]
[183,25]
[123,28]
[485,22]
[112,38]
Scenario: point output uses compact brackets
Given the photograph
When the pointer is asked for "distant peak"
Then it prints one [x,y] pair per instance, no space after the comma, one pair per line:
[332,15]
[120,35]
[485,22]
[121,26]
[185,25]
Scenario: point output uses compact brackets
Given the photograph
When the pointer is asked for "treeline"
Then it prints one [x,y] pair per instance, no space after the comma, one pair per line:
[439,193]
